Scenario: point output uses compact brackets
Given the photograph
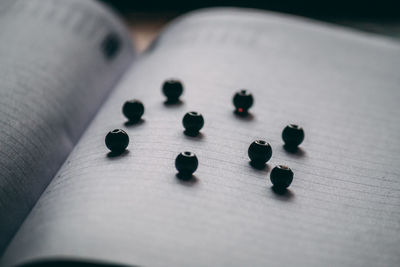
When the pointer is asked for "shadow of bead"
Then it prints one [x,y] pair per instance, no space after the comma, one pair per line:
[134,123]
[295,151]
[192,133]
[283,194]
[196,137]
[188,180]
[115,154]
[173,103]
[245,116]
[259,165]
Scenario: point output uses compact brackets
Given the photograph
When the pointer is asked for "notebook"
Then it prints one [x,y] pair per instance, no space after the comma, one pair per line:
[66,69]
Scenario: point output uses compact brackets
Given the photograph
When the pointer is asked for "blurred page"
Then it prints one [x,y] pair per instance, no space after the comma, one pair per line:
[59,60]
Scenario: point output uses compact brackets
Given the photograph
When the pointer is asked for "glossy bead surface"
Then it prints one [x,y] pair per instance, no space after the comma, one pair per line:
[193,122]
[186,163]
[172,89]
[242,100]
[259,152]
[281,176]
[293,135]
[133,110]
[117,140]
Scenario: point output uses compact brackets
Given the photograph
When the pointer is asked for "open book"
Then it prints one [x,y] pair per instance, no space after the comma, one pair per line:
[66,69]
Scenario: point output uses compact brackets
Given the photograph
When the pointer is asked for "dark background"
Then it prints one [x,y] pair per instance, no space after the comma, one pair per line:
[146,18]
[312,8]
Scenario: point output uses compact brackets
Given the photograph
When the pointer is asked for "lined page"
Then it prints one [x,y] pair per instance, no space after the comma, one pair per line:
[342,208]
[59,59]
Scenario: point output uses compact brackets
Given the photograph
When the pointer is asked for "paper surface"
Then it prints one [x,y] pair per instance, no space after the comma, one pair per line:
[56,67]
[342,208]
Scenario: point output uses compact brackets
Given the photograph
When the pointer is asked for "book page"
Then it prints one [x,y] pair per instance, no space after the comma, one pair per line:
[342,208]
[59,60]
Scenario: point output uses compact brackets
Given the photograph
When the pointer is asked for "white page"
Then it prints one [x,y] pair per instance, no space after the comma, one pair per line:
[54,74]
[342,208]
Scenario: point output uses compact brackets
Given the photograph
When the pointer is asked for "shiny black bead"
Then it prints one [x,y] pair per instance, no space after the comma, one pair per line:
[193,122]
[133,110]
[259,152]
[172,89]
[281,176]
[186,163]
[117,141]
[292,135]
[242,100]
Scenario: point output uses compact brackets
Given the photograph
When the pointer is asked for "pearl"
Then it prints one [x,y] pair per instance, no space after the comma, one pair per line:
[117,141]
[186,163]
[193,122]
[293,135]
[133,110]
[242,100]
[281,177]
[172,89]
[259,152]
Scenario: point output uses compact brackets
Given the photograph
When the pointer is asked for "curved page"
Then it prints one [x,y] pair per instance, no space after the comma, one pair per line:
[59,59]
[342,208]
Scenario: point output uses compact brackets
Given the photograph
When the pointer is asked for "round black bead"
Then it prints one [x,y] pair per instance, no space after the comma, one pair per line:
[281,176]
[243,100]
[117,140]
[259,152]
[193,122]
[293,135]
[133,110]
[186,163]
[172,89]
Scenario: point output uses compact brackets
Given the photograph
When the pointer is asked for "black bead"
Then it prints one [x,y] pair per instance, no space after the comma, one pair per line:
[193,122]
[242,100]
[293,135]
[117,141]
[259,152]
[133,110]
[172,89]
[186,163]
[281,177]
